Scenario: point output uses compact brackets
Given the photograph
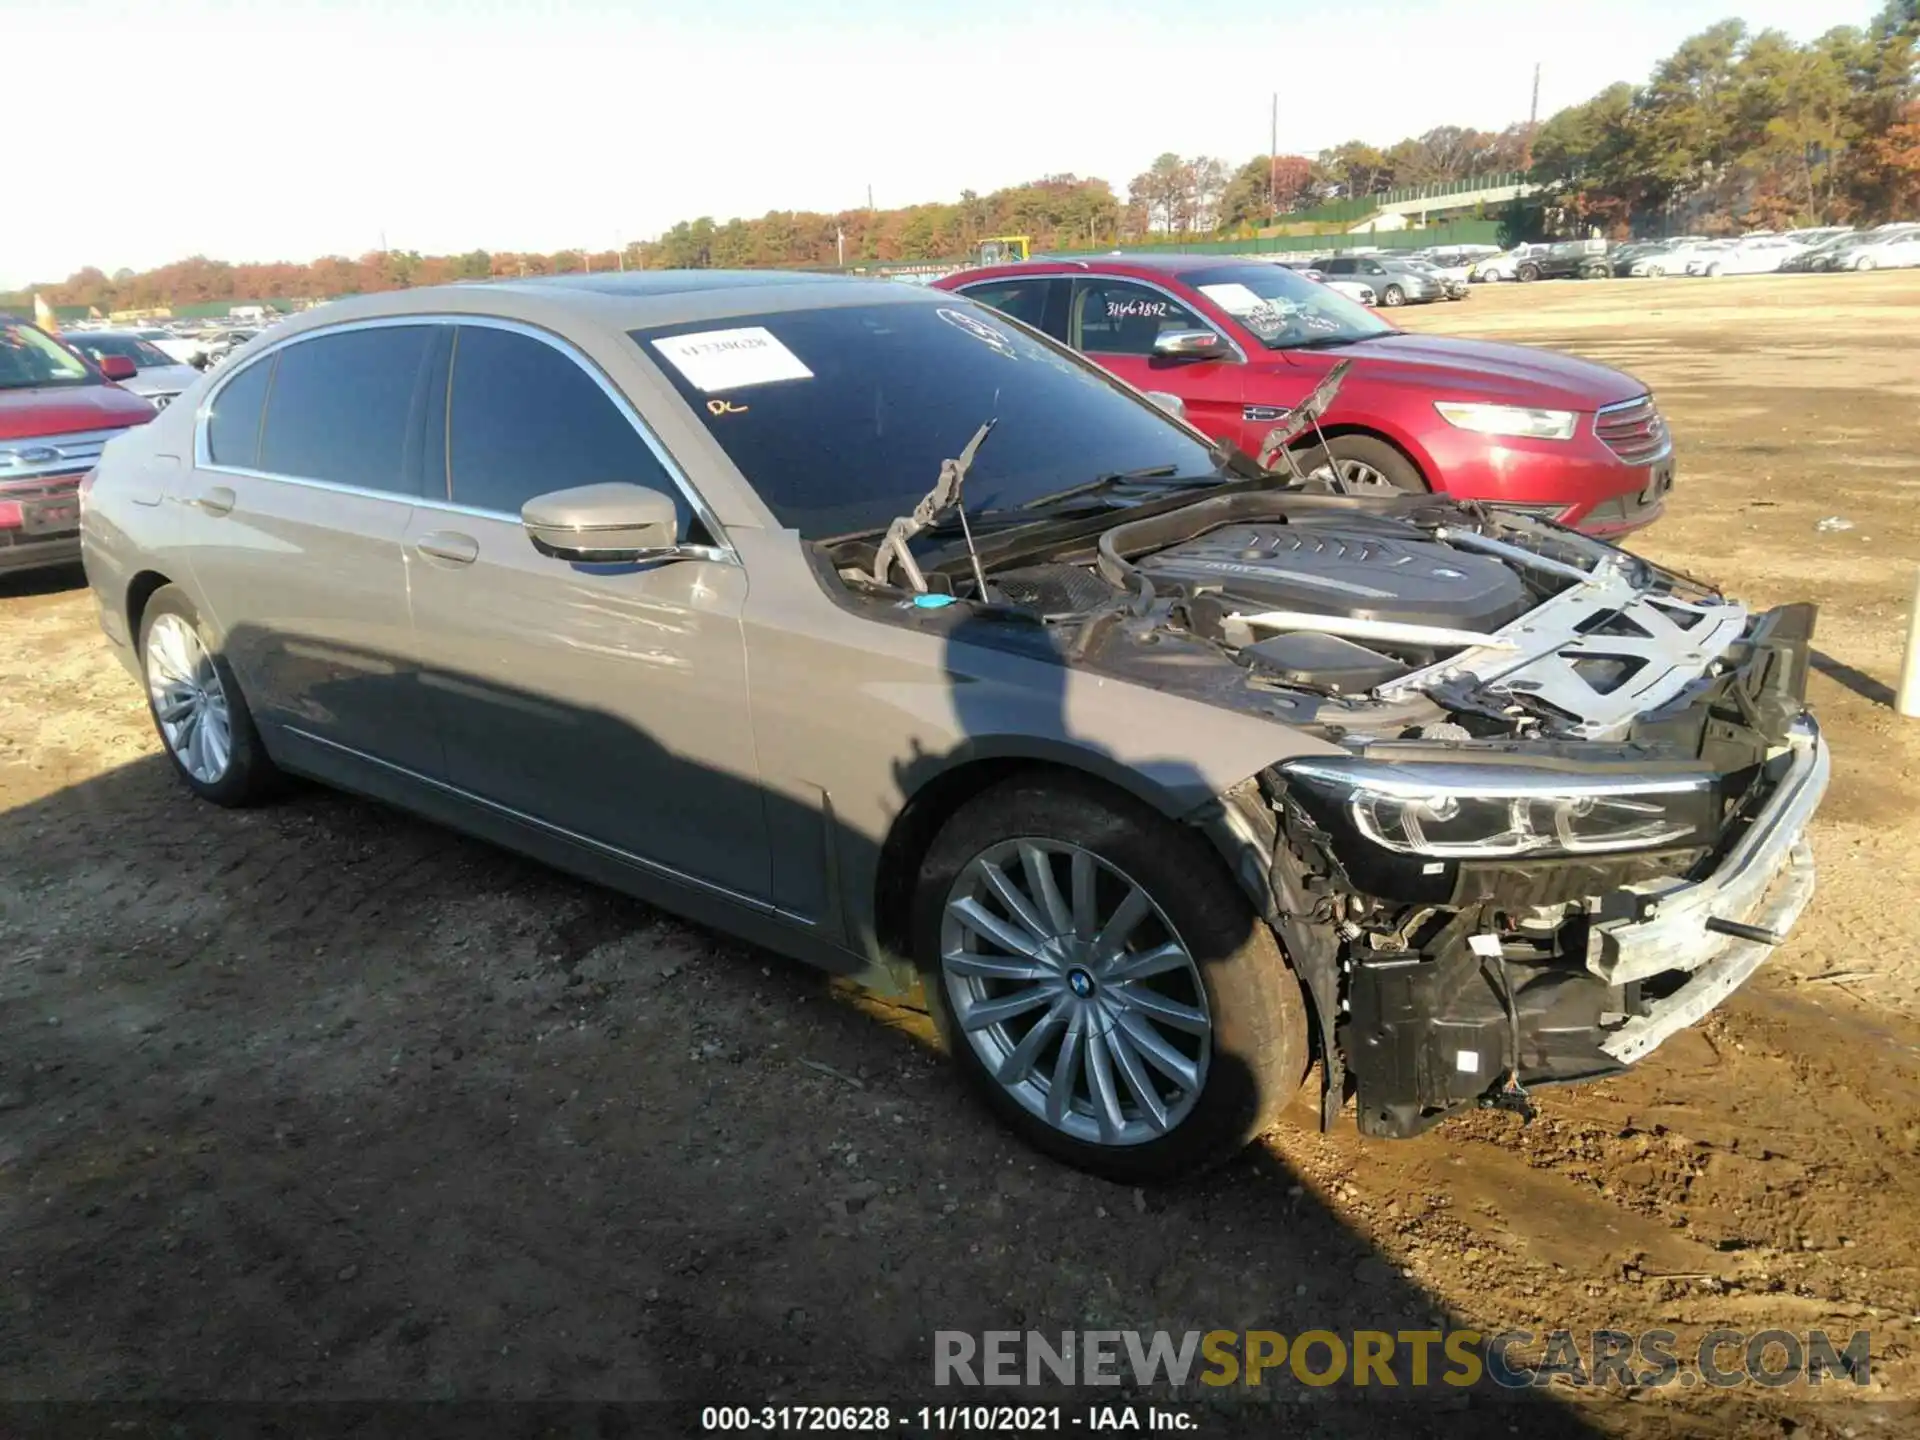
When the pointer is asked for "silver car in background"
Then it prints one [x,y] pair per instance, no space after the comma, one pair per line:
[156,375]
[1394,281]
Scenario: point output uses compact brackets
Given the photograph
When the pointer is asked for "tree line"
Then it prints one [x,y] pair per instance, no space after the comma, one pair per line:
[1735,129]
[1749,128]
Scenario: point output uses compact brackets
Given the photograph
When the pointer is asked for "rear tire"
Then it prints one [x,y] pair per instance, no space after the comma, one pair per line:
[1865,262]
[1393,295]
[1526,274]
[198,711]
[1195,955]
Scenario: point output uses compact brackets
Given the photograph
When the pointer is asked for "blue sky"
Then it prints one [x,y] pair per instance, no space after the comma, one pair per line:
[265,130]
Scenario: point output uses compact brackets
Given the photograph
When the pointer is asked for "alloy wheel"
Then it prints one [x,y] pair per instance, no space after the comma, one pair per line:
[1075,992]
[1346,476]
[188,699]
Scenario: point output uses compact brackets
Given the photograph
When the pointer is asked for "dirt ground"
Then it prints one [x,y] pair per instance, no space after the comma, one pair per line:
[322,1102]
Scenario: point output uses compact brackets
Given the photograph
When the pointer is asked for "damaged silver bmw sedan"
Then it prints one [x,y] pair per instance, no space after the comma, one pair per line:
[867,624]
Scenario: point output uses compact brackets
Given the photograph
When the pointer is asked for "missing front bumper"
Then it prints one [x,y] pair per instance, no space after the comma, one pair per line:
[1430,1032]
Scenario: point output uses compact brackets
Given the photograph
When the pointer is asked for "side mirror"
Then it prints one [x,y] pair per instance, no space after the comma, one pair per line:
[604,524]
[201,360]
[117,367]
[1189,345]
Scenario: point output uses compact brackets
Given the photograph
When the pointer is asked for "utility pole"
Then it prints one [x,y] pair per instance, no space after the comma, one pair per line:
[869,199]
[1273,160]
[1533,117]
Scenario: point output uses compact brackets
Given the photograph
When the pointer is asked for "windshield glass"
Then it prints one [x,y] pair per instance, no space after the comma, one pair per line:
[840,418]
[29,358]
[143,355]
[1283,309]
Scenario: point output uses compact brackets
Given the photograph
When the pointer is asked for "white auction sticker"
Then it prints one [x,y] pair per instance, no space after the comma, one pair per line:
[1235,299]
[717,360]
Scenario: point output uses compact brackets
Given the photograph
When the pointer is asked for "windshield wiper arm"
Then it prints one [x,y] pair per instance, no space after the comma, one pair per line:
[1327,342]
[1101,482]
[945,495]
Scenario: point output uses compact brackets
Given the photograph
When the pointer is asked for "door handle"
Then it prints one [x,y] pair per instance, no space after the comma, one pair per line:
[216,500]
[449,547]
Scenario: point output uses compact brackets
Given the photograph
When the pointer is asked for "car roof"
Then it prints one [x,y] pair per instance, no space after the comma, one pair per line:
[634,299]
[1131,260]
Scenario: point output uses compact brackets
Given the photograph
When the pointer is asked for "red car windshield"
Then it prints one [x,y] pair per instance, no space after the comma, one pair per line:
[1282,309]
[30,359]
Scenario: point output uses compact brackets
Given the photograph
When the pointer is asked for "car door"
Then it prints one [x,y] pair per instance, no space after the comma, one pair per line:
[306,469]
[608,702]
[1115,321]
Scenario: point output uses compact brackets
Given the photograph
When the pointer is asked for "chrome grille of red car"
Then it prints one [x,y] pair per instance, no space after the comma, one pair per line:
[1633,430]
[39,458]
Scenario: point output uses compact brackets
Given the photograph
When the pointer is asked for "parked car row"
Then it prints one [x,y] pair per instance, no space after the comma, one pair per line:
[1756,253]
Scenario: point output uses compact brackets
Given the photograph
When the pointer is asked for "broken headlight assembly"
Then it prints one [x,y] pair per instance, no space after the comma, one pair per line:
[1446,811]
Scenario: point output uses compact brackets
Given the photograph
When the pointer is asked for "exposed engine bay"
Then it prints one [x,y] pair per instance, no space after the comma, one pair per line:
[1571,820]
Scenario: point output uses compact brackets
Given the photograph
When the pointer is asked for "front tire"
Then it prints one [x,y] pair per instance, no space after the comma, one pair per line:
[1102,983]
[1865,262]
[1362,465]
[198,711]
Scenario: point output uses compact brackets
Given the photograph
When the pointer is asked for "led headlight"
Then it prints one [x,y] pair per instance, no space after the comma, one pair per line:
[1516,420]
[1485,812]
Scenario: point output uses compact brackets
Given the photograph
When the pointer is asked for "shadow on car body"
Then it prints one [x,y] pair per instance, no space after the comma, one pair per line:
[341,1105]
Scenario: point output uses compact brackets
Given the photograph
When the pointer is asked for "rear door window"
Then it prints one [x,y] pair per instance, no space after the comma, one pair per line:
[524,419]
[233,425]
[1037,300]
[341,407]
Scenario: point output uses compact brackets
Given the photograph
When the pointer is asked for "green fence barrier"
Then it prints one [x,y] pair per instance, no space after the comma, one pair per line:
[1453,232]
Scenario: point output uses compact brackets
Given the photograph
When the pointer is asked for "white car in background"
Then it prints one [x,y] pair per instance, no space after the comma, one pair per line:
[1676,260]
[1832,253]
[1760,256]
[1899,250]
[1353,290]
[1505,265]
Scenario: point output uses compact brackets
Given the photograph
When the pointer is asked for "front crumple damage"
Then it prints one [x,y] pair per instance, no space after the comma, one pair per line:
[1529,973]
[1443,984]
[1557,804]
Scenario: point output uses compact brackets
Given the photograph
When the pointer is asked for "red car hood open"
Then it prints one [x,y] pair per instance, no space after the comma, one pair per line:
[65,409]
[1488,370]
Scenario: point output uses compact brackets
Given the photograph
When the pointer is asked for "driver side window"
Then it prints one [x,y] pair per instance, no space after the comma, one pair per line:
[524,419]
[1121,317]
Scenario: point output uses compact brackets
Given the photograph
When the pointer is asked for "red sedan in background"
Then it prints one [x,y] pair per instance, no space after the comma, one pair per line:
[1241,341]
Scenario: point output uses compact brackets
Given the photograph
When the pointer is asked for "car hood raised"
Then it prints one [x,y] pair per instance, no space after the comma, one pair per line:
[1506,374]
[65,410]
